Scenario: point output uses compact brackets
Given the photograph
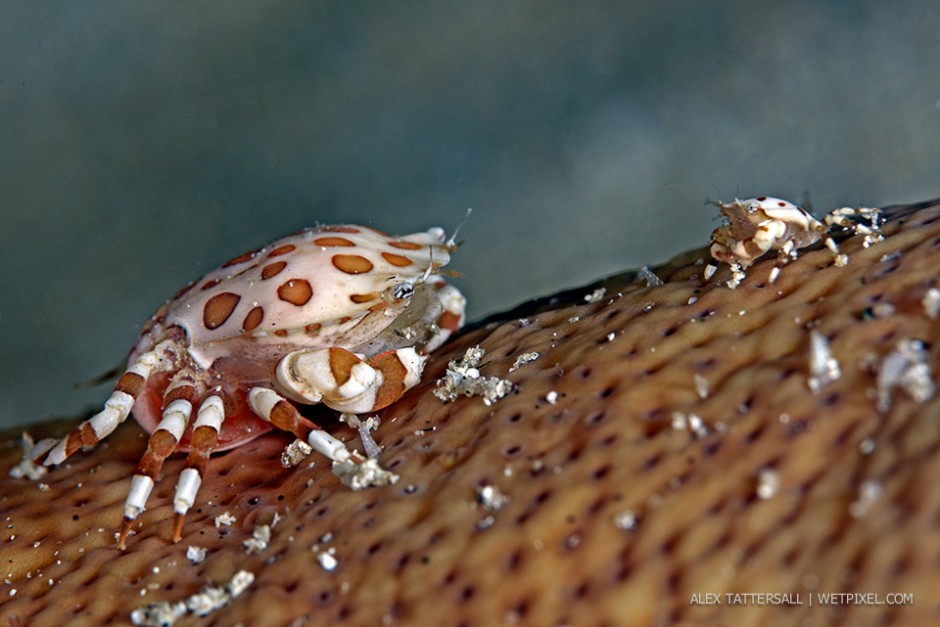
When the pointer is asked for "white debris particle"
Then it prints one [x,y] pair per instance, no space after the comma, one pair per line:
[692,300]
[869,492]
[196,554]
[823,366]
[710,271]
[931,303]
[768,482]
[43,487]
[611,336]
[160,614]
[367,474]
[905,368]
[294,453]
[737,275]
[866,446]
[224,520]
[27,468]
[463,378]
[596,295]
[365,428]
[649,276]
[574,319]
[701,386]
[682,421]
[491,497]
[213,598]
[552,397]
[883,310]
[625,520]
[203,603]
[259,540]
[327,559]
[486,522]
[523,359]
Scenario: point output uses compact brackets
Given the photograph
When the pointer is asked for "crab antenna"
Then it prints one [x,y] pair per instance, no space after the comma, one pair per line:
[429,269]
[451,242]
[450,245]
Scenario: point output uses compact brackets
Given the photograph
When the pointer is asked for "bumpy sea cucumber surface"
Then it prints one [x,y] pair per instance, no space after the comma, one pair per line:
[666,442]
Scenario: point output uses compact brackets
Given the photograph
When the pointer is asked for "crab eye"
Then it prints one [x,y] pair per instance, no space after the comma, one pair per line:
[403,291]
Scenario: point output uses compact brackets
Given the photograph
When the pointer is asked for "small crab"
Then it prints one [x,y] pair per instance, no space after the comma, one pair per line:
[758,225]
[339,315]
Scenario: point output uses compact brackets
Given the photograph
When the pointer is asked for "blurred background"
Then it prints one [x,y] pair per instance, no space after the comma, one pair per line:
[142,144]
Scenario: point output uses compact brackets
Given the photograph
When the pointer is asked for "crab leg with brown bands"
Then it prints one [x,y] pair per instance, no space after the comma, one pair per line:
[116,409]
[205,436]
[178,408]
[277,410]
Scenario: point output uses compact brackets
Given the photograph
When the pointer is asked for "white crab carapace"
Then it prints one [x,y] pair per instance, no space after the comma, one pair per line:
[339,315]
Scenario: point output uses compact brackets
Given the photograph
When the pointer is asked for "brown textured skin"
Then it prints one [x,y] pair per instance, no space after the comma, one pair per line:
[414,553]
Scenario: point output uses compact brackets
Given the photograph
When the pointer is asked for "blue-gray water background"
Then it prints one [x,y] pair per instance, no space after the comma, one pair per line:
[143,143]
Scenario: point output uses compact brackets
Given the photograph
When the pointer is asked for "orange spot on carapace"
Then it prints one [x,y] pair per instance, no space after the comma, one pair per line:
[405,245]
[282,250]
[218,309]
[352,264]
[295,291]
[328,242]
[397,260]
[253,319]
[363,298]
[272,269]
[240,259]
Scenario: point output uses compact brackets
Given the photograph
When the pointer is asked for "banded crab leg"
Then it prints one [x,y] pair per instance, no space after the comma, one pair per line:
[277,410]
[204,439]
[178,408]
[51,452]
[350,467]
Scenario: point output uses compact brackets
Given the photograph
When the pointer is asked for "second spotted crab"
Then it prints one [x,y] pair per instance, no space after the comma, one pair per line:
[340,315]
[756,226]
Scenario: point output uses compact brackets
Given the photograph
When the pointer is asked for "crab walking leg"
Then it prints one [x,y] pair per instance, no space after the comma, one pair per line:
[205,435]
[178,407]
[116,409]
[277,410]
[839,259]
